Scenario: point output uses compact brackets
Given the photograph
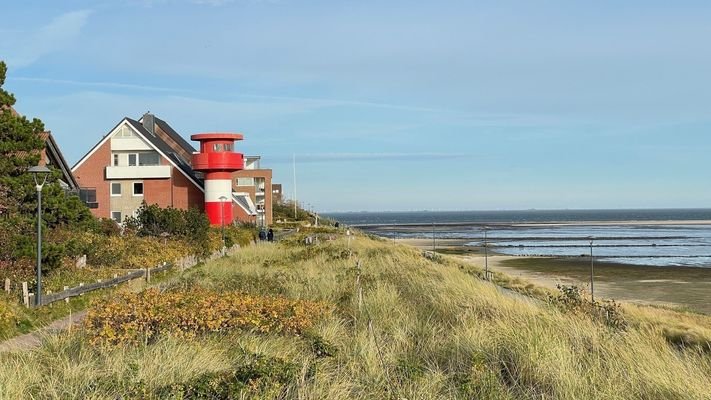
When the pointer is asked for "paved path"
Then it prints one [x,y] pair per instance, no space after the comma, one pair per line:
[33,340]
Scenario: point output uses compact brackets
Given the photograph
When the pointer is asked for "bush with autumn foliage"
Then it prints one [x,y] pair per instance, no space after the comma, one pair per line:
[142,317]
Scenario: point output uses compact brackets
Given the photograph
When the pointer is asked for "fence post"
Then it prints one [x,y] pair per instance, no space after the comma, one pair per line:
[7,285]
[115,276]
[67,299]
[25,295]
[148,275]
[80,285]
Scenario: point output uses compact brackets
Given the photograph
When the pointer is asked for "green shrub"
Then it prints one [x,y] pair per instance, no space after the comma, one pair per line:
[571,299]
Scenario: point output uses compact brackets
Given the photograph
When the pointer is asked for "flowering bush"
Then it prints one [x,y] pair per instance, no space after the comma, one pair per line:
[132,317]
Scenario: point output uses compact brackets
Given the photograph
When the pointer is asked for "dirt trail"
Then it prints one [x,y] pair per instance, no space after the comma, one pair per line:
[33,340]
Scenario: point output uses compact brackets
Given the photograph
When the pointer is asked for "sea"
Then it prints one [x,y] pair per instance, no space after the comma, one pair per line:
[666,237]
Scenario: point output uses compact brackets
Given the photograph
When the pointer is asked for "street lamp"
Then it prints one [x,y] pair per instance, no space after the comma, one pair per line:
[592,267]
[39,174]
[222,219]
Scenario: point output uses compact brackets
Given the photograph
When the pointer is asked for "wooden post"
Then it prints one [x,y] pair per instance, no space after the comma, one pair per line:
[148,275]
[7,285]
[115,276]
[80,285]
[360,298]
[25,295]
[67,299]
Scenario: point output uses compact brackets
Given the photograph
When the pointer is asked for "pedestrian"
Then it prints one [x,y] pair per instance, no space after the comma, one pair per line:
[262,235]
[270,235]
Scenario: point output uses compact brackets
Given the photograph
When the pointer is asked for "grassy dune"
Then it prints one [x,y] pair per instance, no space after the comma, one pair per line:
[401,327]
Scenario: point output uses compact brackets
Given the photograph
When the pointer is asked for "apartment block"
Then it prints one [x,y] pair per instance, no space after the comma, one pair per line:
[255,182]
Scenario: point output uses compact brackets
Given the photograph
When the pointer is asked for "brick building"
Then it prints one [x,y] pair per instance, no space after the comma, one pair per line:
[147,160]
[277,193]
[256,182]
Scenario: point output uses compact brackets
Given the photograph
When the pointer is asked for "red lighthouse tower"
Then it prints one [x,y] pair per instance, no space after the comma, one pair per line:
[217,161]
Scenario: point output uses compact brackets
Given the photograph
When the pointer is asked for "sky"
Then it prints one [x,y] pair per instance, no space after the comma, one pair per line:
[393,105]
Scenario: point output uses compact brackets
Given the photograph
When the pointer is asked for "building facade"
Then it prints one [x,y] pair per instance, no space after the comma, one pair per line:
[277,193]
[255,182]
[144,160]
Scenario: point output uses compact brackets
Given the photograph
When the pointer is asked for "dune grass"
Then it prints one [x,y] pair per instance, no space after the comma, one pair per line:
[403,327]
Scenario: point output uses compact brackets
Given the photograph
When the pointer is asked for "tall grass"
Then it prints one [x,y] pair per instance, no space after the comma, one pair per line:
[421,330]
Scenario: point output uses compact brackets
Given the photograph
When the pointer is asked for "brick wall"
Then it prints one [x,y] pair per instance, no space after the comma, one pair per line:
[91,174]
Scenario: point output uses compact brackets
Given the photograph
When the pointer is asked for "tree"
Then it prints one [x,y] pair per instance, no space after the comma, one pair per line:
[21,144]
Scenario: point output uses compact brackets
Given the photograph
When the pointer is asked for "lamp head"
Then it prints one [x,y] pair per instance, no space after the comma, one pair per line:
[39,172]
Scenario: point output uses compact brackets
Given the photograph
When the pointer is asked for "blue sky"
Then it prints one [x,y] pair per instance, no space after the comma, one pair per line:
[394,105]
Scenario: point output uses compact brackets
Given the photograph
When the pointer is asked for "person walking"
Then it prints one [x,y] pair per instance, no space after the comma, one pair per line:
[270,235]
[262,235]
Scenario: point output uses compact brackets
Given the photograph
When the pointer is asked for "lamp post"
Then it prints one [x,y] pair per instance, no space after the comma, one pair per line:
[222,220]
[39,174]
[592,268]
[486,256]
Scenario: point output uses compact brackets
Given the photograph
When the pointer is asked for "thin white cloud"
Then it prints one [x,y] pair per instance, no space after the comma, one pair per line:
[23,48]
[316,100]
[345,157]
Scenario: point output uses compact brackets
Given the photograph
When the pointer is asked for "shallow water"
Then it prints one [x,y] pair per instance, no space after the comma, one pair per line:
[638,244]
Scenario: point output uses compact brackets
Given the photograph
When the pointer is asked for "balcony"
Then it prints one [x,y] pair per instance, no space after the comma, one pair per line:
[225,160]
[142,172]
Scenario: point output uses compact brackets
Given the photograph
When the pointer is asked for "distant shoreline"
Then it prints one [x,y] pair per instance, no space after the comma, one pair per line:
[534,224]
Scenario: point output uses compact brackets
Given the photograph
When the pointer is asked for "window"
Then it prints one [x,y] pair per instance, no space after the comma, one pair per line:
[151,158]
[124,132]
[87,195]
[245,181]
[138,188]
[217,147]
[228,147]
[116,160]
[116,189]
[116,216]
[132,160]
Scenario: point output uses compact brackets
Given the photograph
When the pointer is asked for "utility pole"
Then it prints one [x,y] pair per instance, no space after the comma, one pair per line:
[294,161]
[592,272]
[486,256]
[434,241]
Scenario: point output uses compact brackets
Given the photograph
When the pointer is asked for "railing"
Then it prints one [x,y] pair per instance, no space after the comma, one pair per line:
[182,264]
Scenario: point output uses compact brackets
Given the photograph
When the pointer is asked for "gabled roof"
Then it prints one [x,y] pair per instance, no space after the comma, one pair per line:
[164,148]
[58,160]
[55,156]
[175,135]
[157,143]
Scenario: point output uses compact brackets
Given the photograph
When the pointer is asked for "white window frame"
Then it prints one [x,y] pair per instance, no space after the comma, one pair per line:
[112,189]
[133,189]
[129,159]
[115,159]
[120,214]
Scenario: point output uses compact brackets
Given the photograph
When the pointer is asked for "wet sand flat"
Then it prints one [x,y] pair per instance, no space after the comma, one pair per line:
[686,287]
